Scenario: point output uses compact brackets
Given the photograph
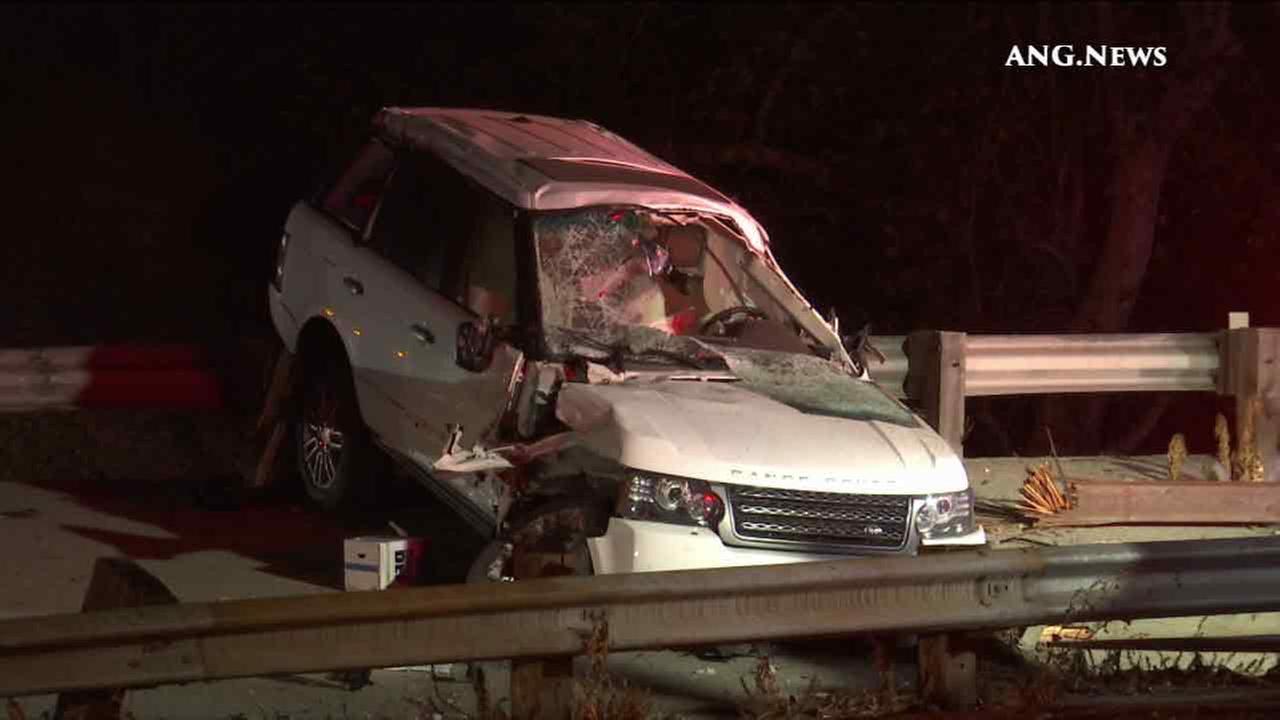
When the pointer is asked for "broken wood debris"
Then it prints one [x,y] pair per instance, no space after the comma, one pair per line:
[1177,456]
[116,583]
[1062,634]
[1040,493]
[1186,502]
[1228,643]
[1223,434]
[1246,463]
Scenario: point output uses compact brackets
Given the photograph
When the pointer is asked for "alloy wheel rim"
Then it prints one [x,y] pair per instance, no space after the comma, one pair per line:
[322,441]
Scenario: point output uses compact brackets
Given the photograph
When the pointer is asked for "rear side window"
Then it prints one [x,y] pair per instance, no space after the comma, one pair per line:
[450,234]
[409,230]
[354,196]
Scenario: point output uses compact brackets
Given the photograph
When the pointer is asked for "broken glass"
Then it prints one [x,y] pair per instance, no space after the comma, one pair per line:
[814,385]
[634,277]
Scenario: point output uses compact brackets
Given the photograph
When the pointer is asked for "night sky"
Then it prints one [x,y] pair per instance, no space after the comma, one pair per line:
[908,177]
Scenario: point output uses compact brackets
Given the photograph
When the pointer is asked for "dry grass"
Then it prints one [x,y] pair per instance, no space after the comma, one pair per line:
[600,696]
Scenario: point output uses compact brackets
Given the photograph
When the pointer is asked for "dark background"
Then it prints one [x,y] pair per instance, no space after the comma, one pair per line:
[907,177]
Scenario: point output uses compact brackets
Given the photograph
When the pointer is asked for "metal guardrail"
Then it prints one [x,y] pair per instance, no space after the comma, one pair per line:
[1034,364]
[118,376]
[45,378]
[550,617]
[892,373]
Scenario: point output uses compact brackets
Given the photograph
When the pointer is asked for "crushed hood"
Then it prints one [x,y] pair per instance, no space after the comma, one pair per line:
[748,433]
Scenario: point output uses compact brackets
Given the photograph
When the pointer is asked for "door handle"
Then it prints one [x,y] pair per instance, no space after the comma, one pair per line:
[423,333]
[355,286]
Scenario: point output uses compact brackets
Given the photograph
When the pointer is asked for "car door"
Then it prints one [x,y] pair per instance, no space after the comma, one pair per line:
[330,229]
[419,247]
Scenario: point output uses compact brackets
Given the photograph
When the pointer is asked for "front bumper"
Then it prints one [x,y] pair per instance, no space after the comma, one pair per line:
[631,546]
[975,538]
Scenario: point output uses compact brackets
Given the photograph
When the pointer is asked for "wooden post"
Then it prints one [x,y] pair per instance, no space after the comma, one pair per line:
[1249,362]
[935,380]
[116,583]
[948,672]
[271,431]
[541,688]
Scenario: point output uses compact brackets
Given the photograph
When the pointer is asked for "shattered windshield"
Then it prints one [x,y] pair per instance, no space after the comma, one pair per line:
[815,386]
[615,275]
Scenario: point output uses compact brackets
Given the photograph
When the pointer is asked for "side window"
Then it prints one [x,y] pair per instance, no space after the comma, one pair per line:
[454,236]
[354,196]
[407,229]
[489,265]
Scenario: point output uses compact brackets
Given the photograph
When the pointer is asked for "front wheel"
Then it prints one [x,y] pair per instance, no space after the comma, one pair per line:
[549,542]
[332,443]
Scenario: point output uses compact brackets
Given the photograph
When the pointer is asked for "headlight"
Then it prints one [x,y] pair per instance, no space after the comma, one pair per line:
[669,499]
[946,514]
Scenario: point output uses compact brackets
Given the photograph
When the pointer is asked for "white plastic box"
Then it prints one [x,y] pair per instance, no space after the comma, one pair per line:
[375,562]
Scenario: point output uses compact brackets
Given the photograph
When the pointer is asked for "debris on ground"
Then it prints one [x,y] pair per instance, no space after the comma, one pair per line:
[766,700]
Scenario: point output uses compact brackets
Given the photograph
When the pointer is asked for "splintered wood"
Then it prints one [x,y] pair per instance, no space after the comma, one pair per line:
[1223,434]
[1182,498]
[1177,456]
[1246,463]
[1040,493]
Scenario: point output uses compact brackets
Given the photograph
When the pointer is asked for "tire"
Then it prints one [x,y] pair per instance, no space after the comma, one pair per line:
[332,445]
[558,517]
[495,675]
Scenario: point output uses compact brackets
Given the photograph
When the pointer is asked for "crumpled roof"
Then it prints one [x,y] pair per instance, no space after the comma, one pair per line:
[545,163]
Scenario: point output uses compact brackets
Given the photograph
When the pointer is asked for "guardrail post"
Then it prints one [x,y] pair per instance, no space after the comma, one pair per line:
[116,583]
[935,379]
[541,688]
[264,466]
[1250,369]
[948,671]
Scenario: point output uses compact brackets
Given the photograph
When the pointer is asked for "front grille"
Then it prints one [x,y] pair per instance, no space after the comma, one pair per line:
[869,521]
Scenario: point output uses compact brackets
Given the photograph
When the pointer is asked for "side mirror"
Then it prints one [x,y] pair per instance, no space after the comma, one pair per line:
[475,345]
[478,338]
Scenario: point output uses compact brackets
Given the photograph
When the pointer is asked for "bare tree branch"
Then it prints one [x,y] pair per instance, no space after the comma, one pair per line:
[1136,184]
[1132,441]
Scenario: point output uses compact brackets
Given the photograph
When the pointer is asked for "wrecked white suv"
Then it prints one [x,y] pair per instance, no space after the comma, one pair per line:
[587,352]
